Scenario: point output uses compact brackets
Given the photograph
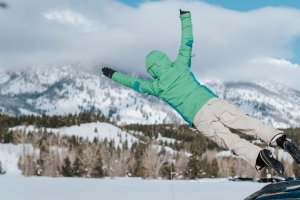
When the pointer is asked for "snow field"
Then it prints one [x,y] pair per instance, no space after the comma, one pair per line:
[37,188]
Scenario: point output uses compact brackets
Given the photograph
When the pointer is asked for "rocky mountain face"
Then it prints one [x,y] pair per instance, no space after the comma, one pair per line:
[74,88]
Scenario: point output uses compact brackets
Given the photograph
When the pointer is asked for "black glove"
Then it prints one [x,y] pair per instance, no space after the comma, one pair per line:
[3,5]
[108,72]
[183,12]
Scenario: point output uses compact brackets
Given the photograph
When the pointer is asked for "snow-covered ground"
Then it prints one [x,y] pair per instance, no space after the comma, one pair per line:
[100,130]
[9,157]
[37,188]
[14,186]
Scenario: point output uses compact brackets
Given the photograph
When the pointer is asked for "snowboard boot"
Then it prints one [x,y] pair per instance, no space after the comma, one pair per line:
[289,147]
[266,159]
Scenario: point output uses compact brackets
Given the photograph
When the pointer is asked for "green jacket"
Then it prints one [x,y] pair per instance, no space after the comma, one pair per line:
[173,82]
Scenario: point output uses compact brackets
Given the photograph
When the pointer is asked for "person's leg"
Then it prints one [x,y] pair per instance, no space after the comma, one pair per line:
[210,126]
[234,118]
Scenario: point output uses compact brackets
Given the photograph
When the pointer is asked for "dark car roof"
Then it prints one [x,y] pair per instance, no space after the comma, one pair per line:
[295,194]
[281,190]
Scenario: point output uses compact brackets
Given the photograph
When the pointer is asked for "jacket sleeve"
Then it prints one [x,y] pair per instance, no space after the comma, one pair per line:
[185,51]
[139,85]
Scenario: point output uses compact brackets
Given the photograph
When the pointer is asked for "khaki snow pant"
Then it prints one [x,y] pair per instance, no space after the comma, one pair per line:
[216,117]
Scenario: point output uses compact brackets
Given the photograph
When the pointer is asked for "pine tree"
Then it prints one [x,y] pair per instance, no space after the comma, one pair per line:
[194,164]
[111,146]
[204,168]
[68,120]
[137,149]
[3,131]
[78,122]
[118,151]
[168,171]
[214,169]
[1,167]
[96,140]
[98,171]
[73,122]
[67,170]
[232,171]
[45,158]
[125,145]
[77,167]
[194,169]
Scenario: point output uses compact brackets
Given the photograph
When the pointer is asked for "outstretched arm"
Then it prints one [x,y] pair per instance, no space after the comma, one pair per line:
[185,51]
[139,85]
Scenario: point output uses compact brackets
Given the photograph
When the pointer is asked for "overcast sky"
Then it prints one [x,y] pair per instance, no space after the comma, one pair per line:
[228,44]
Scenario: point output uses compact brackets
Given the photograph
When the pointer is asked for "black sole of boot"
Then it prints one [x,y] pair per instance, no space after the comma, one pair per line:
[272,162]
[292,150]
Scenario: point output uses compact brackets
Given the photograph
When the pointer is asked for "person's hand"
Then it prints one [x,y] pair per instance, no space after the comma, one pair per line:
[183,12]
[108,72]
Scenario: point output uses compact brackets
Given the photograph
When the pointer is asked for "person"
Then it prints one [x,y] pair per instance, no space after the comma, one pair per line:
[175,84]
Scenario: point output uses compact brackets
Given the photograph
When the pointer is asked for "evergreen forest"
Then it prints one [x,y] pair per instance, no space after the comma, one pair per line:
[187,155]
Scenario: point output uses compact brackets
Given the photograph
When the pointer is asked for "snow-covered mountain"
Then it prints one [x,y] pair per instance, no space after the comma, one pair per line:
[72,88]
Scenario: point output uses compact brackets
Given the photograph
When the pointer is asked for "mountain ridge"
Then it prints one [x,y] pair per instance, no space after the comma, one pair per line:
[73,88]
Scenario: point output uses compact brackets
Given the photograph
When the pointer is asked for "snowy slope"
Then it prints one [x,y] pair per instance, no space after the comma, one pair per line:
[270,107]
[291,94]
[73,88]
[10,153]
[90,131]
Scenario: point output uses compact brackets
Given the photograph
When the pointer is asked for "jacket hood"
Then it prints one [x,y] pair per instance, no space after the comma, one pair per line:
[156,63]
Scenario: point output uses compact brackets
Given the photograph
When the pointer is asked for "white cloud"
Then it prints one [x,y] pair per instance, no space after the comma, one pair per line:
[275,62]
[75,19]
[280,70]
[224,40]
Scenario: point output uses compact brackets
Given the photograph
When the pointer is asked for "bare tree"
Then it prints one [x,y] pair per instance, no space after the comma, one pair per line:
[52,158]
[153,161]
[89,158]
[115,166]
[181,164]
[54,154]
[119,165]
[27,165]
[34,138]
[105,154]
[45,158]
[27,160]
[227,166]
